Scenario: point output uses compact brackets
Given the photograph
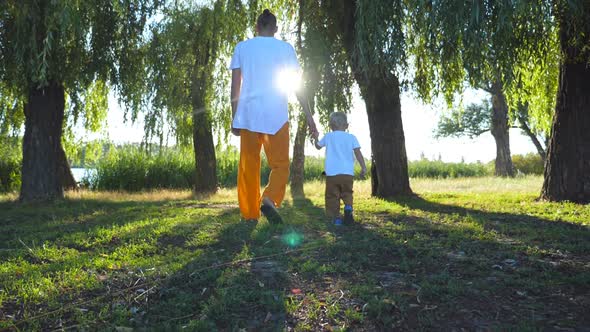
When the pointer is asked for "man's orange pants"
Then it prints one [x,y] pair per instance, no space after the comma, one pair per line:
[276,148]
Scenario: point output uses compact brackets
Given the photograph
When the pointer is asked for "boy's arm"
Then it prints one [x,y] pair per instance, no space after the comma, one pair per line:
[361,160]
[236,86]
[317,144]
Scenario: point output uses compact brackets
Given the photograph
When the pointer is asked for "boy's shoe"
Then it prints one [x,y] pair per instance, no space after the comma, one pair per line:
[348,219]
[338,221]
[271,213]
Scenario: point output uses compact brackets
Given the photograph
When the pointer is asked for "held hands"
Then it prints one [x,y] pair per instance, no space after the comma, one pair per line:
[363,173]
[313,130]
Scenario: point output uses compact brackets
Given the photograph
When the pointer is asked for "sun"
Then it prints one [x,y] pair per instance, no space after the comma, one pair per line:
[288,81]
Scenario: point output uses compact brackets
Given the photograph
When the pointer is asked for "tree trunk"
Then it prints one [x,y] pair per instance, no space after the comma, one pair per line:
[381,93]
[500,132]
[298,162]
[527,130]
[66,178]
[567,168]
[389,169]
[205,163]
[44,116]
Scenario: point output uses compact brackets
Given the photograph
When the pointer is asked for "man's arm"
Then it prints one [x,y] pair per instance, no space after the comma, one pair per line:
[310,122]
[361,160]
[236,86]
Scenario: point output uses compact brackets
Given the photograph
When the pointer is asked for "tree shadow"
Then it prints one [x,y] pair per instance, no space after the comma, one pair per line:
[58,221]
[395,271]
[241,280]
[520,228]
[426,266]
[235,282]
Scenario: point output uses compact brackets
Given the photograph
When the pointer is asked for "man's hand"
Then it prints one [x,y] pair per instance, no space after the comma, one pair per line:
[363,173]
[313,130]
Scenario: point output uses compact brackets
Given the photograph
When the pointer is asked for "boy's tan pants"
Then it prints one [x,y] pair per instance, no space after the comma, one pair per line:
[338,187]
[276,148]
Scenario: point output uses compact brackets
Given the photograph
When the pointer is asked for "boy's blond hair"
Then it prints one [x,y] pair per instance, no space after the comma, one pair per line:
[338,120]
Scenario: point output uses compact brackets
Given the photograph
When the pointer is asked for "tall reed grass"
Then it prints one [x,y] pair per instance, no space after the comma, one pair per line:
[130,168]
[439,169]
[10,165]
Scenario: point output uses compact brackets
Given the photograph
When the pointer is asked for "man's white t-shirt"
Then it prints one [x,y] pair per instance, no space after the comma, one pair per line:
[262,106]
[340,147]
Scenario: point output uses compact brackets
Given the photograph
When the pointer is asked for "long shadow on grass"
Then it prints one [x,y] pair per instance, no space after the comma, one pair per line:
[432,266]
[51,221]
[515,229]
[237,281]
[68,243]
[436,271]
[35,224]
[241,280]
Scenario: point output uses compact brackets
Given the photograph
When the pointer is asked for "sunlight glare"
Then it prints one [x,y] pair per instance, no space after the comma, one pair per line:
[288,81]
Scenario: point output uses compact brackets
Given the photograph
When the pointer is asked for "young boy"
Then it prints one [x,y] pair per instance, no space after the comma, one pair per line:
[340,149]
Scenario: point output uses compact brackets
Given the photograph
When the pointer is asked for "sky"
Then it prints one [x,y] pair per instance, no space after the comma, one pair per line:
[419,121]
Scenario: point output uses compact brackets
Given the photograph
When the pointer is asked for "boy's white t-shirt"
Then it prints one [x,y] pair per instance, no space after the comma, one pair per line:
[262,106]
[340,147]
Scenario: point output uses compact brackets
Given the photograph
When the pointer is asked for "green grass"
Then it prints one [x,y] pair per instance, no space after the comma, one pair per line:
[478,253]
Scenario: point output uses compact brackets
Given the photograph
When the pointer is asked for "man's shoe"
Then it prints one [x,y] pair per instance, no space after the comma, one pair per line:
[271,213]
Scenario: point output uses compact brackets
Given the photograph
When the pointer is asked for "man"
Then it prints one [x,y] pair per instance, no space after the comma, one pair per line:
[260,117]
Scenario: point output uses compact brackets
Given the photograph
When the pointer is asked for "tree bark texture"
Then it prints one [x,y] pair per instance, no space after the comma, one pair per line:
[567,167]
[44,116]
[298,163]
[204,148]
[66,178]
[500,131]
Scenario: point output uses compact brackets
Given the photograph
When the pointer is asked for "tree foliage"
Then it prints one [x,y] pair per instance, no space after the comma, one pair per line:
[473,121]
[327,76]
[86,46]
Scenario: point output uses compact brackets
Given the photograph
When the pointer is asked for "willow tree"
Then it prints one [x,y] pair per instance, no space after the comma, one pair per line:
[523,34]
[50,49]
[327,81]
[369,35]
[476,119]
[478,43]
[187,53]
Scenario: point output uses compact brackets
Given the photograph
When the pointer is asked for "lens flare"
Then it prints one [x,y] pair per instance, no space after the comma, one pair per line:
[288,81]
[293,238]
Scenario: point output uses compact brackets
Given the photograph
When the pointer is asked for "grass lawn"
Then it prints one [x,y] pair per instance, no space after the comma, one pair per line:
[477,254]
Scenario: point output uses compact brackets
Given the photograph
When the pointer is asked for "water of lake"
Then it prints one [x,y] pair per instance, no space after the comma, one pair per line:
[79,173]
